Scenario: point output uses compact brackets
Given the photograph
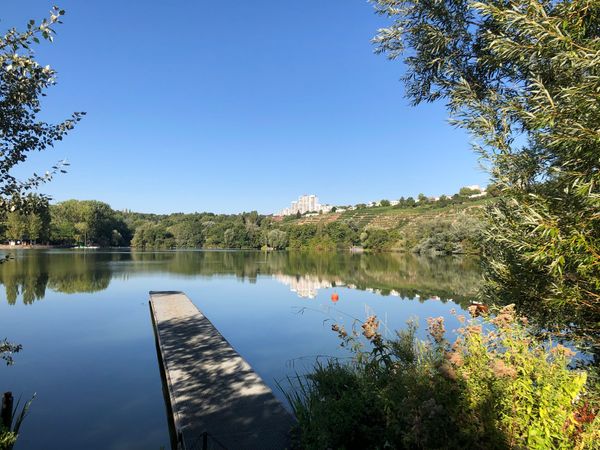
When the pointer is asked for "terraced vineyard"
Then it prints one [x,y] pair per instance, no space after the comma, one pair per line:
[388,217]
[323,218]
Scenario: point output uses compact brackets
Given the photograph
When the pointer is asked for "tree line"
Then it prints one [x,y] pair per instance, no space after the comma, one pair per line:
[67,223]
[91,222]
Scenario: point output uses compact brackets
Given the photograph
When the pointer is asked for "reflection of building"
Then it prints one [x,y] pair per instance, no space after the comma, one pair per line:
[304,204]
[306,286]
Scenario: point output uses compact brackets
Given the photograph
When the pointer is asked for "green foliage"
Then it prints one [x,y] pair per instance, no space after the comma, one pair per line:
[198,230]
[30,223]
[23,81]
[322,237]
[8,436]
[467,192]
[377,239]
[150,235]
[522,76]
[7,439]
[35,227]
[495,387]
[188,233]
[443,236]
[95,223]
[15,225]
[277,239]
[422,199]
[87,222]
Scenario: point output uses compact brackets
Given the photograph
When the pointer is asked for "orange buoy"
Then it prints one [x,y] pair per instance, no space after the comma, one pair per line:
[334,297]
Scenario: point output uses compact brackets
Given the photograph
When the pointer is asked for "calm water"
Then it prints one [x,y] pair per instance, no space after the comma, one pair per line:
[83,320]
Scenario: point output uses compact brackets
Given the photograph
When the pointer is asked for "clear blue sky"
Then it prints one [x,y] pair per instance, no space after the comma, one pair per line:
[233,106]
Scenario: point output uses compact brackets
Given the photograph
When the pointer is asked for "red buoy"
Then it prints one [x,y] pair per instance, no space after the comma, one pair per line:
[334,297]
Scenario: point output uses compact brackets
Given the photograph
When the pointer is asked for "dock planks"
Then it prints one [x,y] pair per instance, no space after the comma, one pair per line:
[211,388]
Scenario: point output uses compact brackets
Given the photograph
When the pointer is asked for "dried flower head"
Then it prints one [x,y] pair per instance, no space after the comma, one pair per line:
[505,316]
[436,328]
[501,369]
[370,327]
[455,358]
[341,331]
[561,350]
[473,329]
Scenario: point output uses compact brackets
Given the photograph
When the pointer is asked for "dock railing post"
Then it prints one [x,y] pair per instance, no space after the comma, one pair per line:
[7,410]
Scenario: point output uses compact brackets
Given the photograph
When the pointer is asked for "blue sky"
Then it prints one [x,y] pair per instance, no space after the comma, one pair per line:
[236,106]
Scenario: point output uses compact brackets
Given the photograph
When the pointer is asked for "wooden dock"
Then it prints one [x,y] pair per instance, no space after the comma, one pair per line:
[215,398]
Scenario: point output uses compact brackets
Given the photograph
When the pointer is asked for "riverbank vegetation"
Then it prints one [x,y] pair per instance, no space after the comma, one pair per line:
[522,77]
[425,227]
[492,388]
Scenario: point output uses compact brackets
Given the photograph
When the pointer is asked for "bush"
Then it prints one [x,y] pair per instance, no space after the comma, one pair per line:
[377,239]
[494,387]
[462,235]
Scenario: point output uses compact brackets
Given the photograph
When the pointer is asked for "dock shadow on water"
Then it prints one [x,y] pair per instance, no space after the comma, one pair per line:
[212,390]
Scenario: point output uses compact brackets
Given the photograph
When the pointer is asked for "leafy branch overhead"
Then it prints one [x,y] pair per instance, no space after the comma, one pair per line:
[23,82]
[523,77]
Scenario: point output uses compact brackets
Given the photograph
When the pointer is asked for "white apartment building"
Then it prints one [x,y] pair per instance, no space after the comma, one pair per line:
[305,204]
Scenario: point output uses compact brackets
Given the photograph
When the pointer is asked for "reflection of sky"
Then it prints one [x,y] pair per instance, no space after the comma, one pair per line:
[92,360]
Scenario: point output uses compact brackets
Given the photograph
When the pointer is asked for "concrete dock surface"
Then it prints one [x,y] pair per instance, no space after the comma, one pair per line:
[214,394]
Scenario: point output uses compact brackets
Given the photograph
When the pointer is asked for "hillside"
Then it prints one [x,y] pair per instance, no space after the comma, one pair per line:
[389,217]
[429,228]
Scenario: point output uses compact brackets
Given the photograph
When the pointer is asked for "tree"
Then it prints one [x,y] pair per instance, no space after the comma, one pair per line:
[83,230]
[16,226]
[467,191]
[87,221]
[34,227]
[377,239]
[522,76]
[277,239]
[384,203]
[22,83]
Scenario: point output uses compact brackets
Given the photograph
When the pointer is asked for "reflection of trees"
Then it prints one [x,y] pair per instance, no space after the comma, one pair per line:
[246,265]
[30,272]
[410,276]
[406,275]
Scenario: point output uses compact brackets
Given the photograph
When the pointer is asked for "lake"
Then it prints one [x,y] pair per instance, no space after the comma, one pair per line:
[82,317]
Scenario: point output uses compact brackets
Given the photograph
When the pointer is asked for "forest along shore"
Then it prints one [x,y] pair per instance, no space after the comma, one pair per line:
[450,225]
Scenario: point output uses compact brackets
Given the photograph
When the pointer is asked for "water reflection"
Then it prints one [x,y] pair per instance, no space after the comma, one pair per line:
[67,271]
